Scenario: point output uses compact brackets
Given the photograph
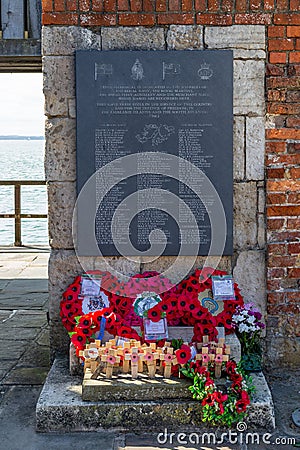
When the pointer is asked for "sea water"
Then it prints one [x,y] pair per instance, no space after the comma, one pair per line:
[23,160]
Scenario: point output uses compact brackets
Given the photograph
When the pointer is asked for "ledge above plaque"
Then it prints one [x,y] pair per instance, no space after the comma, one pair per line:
[154,152]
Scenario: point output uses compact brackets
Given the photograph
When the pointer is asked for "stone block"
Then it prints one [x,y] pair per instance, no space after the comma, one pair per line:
[261,230]
[282,351]
[133,38]
[255,148]
[261,200]
[248,87]
[59,339]
[124,388]
[72,108]
[60,155]
[65,40]
[245,37]
[262,408]
[238,148]
[240,53]
[63,268]
[61,200]
[245,207]
[185,37]
[249,273]
[59,84]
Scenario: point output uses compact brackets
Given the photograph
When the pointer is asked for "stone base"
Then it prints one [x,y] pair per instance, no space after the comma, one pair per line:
[61,408]
[124,388]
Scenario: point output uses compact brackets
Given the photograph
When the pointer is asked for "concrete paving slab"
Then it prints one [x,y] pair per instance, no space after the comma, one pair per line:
[35,355]
[34,272]
[26,376]
[7,364]
[26,320]
[24,286]
[4,314]
[2,374]
[35,301]
[13,349]
[27,334]
[17,427]
[44,338]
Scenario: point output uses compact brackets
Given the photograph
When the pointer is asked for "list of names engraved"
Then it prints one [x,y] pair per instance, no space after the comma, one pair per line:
[177,104]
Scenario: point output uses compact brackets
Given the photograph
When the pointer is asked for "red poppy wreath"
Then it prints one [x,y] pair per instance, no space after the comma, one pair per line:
[180,305]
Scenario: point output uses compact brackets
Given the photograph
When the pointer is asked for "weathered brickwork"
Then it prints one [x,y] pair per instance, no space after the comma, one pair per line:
[265,38]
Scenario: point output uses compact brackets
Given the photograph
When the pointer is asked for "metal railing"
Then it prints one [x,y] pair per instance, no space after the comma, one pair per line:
[18,216]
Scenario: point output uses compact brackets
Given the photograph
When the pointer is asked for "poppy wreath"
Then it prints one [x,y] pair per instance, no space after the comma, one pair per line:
[120,316]
[190,312]
[220,406]
[180,305]
[71,303]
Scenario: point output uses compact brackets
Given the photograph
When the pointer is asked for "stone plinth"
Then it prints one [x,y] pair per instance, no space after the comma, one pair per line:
[61,408]
[124,388]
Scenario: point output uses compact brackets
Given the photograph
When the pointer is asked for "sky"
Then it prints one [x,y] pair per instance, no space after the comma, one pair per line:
[21,104]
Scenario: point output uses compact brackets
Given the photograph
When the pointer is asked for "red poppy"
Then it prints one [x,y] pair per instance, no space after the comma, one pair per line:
[97,316]
[127,332]
[224,319]
[193,306]
[66,306]
[237,378]
[155,313]
[200,313]
[183,354]
[209,400]
[236,386]
[182,303]
[79,340]
[230,367]
[84,322]
[165,306]
[209,381]
[241,406]
[88,332]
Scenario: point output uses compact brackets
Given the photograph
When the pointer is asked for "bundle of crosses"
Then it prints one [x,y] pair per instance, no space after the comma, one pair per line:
[130,356]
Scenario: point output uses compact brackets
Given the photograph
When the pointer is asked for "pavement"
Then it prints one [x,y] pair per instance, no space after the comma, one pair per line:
[24,364]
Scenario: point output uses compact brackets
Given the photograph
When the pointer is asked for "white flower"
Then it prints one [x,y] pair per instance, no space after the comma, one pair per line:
[251,319]
[243,327]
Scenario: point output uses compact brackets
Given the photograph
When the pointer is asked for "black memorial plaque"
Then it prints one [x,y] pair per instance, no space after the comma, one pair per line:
[172,103]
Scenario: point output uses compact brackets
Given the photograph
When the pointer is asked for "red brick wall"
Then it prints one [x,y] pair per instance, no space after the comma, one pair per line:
[282,21]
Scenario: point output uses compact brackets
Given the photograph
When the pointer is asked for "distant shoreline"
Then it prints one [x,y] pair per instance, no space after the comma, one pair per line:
[21,138]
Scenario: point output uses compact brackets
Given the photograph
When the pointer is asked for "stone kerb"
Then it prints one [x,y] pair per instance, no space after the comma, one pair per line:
[248,45]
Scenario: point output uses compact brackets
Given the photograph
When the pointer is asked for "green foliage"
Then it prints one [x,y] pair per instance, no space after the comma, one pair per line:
[176,343]
[221,405]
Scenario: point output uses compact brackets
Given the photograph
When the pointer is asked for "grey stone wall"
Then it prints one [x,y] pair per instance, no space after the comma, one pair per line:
[248,45]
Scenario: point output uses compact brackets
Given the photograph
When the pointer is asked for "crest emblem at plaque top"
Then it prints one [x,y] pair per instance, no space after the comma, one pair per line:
[137,71]
[205,72]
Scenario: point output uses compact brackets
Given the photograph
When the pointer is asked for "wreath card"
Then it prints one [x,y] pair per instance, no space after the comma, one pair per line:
[155,331]
[223,287]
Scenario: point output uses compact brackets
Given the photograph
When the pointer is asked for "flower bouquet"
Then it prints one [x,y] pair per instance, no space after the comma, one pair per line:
[248,328]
